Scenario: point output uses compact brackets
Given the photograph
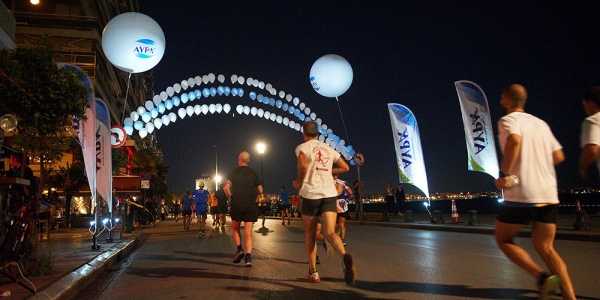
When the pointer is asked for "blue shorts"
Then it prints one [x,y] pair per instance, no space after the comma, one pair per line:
[525,215]
[201,210]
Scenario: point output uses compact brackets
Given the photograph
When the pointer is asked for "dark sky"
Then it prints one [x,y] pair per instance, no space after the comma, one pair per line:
[407,52]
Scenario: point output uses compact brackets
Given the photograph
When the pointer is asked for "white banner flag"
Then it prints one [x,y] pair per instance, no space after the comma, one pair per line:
[86,130]
[103,153]
[409,154]
[479,133]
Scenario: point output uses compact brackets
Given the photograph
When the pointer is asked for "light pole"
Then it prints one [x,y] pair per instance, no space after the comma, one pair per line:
[261,149]
[216,169]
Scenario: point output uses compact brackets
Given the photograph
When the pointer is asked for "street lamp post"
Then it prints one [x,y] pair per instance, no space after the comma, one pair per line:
[216,168]
[261,149]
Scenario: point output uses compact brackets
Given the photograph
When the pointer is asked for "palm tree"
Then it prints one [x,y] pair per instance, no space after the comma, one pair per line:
[70,179]
[146,160]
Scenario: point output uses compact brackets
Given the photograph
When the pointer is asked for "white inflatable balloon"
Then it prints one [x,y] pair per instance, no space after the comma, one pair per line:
[158,123]
[143,132]
[150,127]
[197,109]
[221,78]
[189,110]
[204,109]
[226,108]
[239,109]
[133,42]
[156,99]
[181,112]
[149,105]
[128,129]
[166,120]
[177,87]
[331,75]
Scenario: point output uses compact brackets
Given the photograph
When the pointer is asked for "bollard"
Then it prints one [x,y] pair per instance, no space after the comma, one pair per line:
[409,217]
[437,217]
[473,221]
[580,221]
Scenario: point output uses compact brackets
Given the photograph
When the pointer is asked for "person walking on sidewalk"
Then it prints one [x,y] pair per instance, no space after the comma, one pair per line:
[400,198]
[201,199]
[530,152]
[315,184]
[390,198]
[241,186]
[285,205]
[176,209]
[358,204]
[590,135]
[186,209]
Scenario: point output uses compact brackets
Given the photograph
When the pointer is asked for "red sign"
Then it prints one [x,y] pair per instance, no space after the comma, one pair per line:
[359,159]
[117,136]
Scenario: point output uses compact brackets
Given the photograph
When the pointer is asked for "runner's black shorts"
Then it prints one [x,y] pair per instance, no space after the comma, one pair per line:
[525,215]
[315,207]
[244,215]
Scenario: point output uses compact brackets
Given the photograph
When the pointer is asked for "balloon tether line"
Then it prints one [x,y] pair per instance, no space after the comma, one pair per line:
[343,123]
[126,95]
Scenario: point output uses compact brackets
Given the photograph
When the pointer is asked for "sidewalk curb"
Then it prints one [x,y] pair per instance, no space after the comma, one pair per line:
[561,233]
[69,285]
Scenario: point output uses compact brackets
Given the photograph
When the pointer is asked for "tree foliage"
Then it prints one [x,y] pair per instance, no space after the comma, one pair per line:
[42,97]
[119,159]
[146,160]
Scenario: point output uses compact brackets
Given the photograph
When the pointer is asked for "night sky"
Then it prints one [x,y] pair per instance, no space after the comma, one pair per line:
[407,52]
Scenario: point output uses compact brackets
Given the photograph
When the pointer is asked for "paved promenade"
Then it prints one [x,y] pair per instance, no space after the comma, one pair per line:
[77,265]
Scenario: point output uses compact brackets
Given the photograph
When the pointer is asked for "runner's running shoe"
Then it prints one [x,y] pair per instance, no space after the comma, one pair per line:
[238,256]
[547,285]
[314,277]
[248,262]
[349,271]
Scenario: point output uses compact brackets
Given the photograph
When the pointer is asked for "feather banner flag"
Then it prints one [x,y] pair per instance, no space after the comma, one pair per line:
[103,153]
[479,133]
[407,141]
[86,129]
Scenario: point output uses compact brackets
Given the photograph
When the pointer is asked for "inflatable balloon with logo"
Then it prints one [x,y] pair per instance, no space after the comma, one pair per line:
[331,75]
[133,42]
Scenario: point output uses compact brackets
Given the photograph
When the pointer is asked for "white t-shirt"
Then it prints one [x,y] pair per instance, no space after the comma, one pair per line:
[590,133]
[318,182]
[534,165]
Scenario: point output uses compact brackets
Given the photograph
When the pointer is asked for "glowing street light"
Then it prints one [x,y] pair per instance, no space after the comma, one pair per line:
[261,149]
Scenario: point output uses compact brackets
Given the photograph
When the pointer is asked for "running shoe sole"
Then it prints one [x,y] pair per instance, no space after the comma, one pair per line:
[314,277]
[249,263]
[349,271]
[548,287]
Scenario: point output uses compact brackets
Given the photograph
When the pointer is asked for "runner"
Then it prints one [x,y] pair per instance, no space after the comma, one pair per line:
[201,199]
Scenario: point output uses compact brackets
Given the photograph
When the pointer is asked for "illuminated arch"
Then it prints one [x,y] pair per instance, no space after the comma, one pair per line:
[165,108]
